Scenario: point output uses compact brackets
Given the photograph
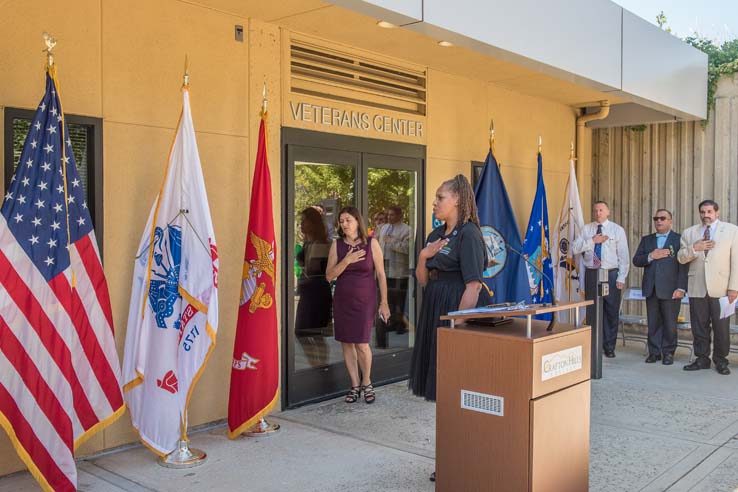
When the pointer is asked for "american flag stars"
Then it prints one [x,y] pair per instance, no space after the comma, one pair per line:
[38,207]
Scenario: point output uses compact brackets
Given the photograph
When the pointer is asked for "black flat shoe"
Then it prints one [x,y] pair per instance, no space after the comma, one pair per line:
[668,360]
[610,354]
[722,369]
[433,477]
[652,358]
[696,366]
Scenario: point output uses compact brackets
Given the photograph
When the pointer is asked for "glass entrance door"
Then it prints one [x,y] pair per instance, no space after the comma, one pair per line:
[392,205]
[319,183]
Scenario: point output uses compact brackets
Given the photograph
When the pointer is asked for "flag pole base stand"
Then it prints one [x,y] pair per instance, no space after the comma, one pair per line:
[184,457]
[263,429]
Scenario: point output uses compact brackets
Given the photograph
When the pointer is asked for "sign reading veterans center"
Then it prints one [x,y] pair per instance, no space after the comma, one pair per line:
[328,118]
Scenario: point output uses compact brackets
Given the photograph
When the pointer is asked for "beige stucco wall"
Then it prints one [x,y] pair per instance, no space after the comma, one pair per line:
[123,62]
[459,114]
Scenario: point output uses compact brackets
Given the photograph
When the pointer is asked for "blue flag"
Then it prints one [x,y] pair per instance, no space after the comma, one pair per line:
[506,277]
[536,247]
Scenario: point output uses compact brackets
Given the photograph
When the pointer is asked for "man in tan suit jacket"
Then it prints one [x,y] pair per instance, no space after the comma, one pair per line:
[711,250]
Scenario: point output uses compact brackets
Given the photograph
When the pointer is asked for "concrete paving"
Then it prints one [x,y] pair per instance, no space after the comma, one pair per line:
[654,428]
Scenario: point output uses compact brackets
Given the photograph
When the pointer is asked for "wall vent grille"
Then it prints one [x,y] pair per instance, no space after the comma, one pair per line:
[341,76]
[481,402]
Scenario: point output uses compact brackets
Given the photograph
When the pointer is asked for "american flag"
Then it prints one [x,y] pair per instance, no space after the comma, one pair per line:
[59,369]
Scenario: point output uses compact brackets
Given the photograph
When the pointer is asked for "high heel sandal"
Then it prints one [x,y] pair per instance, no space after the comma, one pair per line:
[369,395]
[353,395]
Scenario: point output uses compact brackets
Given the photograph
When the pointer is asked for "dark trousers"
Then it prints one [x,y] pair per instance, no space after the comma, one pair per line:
[662,317]
[705,317]
[610,306]
[396,296]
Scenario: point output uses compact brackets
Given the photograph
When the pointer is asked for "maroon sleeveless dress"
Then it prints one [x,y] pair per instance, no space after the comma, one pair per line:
[355,296]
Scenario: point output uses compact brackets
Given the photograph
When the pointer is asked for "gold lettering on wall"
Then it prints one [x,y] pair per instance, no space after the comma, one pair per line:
[354,119]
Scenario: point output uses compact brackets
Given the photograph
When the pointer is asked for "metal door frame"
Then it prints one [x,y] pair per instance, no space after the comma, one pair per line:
[304,387]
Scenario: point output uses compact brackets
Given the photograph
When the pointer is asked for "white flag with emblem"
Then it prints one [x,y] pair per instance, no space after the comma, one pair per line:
[173,316]
[568,268]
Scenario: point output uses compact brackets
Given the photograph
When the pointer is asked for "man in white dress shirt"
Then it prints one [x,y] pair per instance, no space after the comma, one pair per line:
[605,247]
[394,237]
[711,250]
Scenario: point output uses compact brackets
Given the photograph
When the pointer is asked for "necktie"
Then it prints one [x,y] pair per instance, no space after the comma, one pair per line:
[661,240]
[706,237]
[597,260]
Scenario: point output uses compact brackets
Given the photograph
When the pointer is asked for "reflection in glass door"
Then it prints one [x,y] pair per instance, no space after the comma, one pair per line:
[392,207]
[315,228]
[319,183]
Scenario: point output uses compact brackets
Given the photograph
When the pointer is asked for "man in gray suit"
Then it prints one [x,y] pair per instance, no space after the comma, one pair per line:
[664,285]
[711,250]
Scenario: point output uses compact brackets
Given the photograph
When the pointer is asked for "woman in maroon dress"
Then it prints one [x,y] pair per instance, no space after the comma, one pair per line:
[355,262]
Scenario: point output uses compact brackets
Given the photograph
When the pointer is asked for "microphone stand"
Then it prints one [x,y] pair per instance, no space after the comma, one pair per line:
[546,277]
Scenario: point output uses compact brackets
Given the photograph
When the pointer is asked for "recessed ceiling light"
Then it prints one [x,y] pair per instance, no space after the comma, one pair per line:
[445,44]
[385,24]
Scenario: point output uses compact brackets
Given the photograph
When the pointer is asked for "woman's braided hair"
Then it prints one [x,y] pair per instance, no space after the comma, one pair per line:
[467,205]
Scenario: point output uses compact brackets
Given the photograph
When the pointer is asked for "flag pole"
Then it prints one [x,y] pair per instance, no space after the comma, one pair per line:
[50,42]
[568,226]
[184,456]
[492,136]
[263,428]
[542,259]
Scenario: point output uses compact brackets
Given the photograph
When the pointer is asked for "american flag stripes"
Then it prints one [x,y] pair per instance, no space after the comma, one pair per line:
[59,369]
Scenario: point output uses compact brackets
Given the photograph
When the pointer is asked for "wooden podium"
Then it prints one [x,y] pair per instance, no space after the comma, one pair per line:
[512,409]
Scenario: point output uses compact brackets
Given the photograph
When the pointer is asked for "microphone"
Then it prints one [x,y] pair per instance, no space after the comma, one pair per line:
[546,277]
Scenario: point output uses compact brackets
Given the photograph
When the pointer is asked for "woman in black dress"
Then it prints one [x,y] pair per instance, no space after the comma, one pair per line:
[450,268]
[355,261]
[314,307]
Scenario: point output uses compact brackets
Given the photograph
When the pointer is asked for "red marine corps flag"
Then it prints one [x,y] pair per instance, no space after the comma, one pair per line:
[255,370]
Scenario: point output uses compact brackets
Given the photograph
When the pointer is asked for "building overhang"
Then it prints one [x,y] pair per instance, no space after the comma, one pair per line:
[593,44]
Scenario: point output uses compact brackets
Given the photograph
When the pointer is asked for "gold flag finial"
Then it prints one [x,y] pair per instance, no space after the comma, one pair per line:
[50,42]
[571,152]
[492,134]
[186,76]
[540,144]
[264,99]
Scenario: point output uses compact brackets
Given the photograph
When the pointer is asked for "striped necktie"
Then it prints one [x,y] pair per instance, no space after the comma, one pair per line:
[597,259]
[706,237]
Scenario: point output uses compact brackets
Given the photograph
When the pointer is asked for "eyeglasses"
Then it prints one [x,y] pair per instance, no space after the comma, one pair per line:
[656,219]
